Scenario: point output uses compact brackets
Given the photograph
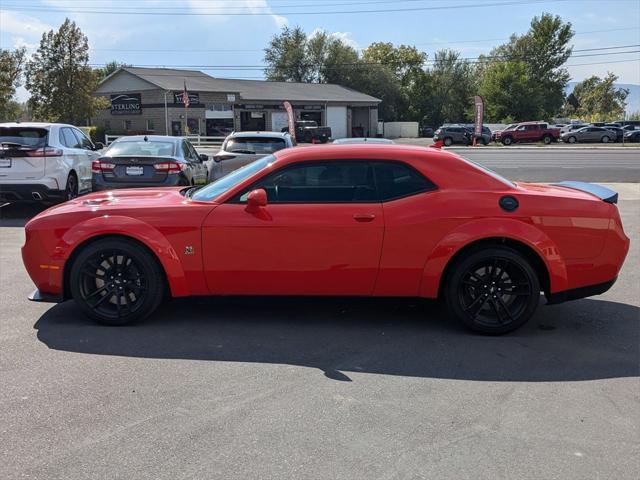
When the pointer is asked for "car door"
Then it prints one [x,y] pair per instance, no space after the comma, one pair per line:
[199,168]
[74,156]
[320,234]
[87,156]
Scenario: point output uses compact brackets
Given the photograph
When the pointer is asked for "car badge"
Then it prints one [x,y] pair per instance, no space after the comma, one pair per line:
[188,250]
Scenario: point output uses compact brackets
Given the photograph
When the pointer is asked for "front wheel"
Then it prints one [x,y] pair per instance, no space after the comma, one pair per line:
[492,291]
[448,142]
[507,141]
[116,281]
[572,139]
[605,139]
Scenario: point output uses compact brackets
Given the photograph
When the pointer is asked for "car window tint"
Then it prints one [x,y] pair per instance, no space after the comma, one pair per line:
[68,139]
[319,182]
[82,139]
[395,180]
[254,145]
[140,148]
[184,148]
[23,136]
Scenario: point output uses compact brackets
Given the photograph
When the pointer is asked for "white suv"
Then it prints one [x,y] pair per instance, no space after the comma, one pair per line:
[44,162]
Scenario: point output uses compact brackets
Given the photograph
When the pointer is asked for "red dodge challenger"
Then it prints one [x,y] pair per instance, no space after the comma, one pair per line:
[357,220]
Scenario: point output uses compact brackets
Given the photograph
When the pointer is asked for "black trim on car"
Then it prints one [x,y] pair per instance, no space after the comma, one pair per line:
[581,292]
[430,188]
[38,296]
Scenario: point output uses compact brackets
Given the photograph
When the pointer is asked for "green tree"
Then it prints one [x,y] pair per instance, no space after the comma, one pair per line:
[406,62]
[109,68]
[444,92]
[11,67]
[59,78]
[597,99]
[286,57]
[534,68]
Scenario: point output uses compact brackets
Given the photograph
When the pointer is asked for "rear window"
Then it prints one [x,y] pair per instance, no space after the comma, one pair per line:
[251,145]
[23,137]
[141,148]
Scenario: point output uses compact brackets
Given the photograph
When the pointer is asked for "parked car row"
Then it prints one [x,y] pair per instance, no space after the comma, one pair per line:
[462,134]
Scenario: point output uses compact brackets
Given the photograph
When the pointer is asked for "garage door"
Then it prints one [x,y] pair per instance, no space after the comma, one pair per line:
[337,120]
[279,120]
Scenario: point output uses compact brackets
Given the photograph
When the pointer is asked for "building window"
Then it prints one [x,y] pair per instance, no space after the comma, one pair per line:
[151,125]
[127,125]
[221,107]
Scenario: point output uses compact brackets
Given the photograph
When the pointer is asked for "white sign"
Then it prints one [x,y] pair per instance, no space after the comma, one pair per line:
[231,97]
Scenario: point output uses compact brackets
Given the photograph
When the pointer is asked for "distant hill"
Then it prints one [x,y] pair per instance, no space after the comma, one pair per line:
[633,100]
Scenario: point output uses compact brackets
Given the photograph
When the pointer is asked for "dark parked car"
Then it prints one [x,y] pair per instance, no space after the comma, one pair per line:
[426,131]
[633,136]
[451,134]
[617,130]
[308,131]
[483,139]
[148,161]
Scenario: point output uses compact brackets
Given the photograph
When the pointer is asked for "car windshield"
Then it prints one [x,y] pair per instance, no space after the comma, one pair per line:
[226,183]
[23,137]
[260,145]
[149,148]
[490,172]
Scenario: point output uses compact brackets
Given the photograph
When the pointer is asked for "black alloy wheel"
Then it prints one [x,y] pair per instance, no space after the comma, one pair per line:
[116,281]
[493,291]
[71,191]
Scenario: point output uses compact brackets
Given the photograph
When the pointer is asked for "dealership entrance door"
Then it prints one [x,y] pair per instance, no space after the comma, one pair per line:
[252,121]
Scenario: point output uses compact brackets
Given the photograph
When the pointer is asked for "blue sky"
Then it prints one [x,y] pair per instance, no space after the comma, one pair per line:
[190,35]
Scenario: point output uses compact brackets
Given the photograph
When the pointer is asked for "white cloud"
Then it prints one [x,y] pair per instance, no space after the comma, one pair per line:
[22,26]
[344,37]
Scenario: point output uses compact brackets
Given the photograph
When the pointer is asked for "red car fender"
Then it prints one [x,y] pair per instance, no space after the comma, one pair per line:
[480,229]
[133,228]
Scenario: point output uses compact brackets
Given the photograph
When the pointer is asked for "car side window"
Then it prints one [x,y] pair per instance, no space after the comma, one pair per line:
[319,182]
[82,139]
[184,148]
[192,152]
[68,139]
[396,180]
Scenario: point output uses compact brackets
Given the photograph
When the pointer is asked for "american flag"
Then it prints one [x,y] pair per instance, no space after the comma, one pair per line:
[185,95]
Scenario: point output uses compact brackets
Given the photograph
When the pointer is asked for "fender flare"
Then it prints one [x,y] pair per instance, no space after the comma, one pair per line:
[132,228]
[483,229]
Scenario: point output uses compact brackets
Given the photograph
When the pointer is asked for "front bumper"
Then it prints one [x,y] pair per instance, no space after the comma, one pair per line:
[581,292]
[38,296]
[29,192]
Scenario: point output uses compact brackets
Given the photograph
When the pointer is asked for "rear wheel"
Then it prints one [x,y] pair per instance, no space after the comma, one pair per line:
[546,139]
[492,291]
[71,190]
[116,281]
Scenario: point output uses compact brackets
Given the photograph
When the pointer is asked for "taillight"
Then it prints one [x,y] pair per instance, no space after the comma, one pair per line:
[169,167]
[99,166]
[45,152]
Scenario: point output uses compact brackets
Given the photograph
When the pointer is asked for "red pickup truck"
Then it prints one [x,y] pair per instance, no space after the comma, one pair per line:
[528,132]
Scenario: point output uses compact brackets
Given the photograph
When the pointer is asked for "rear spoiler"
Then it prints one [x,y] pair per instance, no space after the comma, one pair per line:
[603,193]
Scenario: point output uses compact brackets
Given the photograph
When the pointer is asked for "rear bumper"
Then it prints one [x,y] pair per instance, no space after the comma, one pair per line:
[98,183]
[29,192]
[577,293]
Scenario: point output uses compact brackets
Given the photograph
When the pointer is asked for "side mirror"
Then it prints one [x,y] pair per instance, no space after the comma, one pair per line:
[220,157]
[98,146]
[256,199]
[203,157]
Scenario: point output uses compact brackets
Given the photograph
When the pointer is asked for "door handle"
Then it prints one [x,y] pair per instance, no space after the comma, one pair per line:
[364,217]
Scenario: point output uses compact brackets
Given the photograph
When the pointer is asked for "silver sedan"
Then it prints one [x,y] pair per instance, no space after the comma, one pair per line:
[589,134]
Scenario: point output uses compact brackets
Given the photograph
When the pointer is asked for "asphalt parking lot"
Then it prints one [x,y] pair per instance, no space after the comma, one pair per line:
[321,389]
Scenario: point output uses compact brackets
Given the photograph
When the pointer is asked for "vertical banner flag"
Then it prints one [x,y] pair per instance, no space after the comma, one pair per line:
[479,116]
[185,95]
[291,119]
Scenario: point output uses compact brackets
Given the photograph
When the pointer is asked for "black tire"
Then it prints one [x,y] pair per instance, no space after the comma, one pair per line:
[485,142]
[475,290]
[71,190]
[507,141]
[572,139]
[605,139]
[448,141]
[124,277]
[547,139]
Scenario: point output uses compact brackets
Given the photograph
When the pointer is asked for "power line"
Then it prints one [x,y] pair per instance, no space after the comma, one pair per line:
[270,13]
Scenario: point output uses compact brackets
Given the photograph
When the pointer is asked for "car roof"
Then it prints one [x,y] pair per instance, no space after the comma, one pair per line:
[35,124]
[150,138]
[259,134]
